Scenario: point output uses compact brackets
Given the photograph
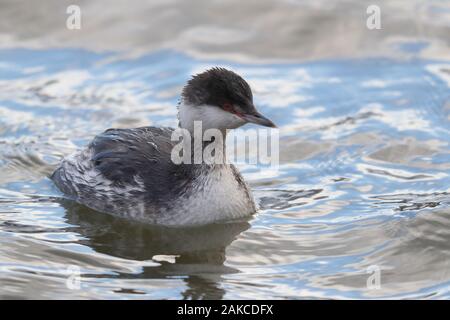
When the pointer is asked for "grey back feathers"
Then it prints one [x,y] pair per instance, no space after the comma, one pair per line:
[126,158]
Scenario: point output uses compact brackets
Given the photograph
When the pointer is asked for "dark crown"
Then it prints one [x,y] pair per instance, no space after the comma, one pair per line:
[217,87]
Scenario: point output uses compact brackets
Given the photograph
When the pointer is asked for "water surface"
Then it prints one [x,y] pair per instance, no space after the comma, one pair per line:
[363,181]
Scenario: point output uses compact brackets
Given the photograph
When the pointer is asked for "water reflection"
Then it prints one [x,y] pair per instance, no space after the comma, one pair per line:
[195,254]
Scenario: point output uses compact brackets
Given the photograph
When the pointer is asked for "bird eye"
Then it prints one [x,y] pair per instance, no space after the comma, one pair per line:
[227,107]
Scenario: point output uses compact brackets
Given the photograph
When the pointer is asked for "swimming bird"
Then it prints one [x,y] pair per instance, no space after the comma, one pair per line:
[130,173]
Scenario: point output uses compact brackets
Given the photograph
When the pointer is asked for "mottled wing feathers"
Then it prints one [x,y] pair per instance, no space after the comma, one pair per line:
[121,154]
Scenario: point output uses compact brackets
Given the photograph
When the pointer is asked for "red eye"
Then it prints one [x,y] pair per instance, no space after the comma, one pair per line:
[227,107]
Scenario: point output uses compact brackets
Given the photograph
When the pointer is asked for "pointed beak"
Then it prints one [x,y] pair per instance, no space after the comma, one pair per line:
[258,118]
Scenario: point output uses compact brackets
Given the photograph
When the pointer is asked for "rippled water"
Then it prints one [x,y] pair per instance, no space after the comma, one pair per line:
[363,181]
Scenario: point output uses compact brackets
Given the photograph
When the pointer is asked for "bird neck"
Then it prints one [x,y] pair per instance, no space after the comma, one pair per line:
[205,139]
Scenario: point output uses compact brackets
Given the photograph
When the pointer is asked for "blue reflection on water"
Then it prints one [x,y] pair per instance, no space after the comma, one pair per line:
[363,178]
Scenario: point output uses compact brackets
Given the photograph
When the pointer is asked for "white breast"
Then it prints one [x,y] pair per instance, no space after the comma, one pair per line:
[218,196]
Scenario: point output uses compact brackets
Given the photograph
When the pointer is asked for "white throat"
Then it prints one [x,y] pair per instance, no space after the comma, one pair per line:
[211,117]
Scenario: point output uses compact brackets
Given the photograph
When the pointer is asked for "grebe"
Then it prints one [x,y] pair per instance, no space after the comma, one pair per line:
[130,173]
